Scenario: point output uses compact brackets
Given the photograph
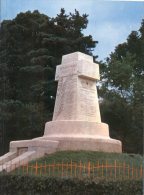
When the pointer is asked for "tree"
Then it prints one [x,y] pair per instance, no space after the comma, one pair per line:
[123,91]
[31,45]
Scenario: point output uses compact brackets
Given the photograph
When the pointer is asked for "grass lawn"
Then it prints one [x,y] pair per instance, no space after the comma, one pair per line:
[94,157]
[81,164]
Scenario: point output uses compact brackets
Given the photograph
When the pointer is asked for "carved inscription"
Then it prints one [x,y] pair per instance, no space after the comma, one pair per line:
[88,104]
[70,98]
[66,97]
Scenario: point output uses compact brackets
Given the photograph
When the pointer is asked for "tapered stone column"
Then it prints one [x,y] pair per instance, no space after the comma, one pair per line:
[77,94]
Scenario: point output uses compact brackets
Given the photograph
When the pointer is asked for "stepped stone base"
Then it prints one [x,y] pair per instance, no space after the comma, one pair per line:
[21,152]
[98,144]
[70,135]
[81,135]
[46,145]
[61,136]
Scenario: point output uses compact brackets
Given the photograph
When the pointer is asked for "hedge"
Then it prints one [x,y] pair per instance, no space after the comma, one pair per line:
[32,185]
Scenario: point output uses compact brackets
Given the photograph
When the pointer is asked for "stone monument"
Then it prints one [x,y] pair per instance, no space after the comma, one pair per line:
[76,120]
[76,123]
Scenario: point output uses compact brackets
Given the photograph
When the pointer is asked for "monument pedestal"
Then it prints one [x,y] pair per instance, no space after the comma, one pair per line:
[81,135]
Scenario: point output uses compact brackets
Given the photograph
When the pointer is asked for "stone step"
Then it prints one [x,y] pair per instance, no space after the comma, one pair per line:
[18,161]
[8,157]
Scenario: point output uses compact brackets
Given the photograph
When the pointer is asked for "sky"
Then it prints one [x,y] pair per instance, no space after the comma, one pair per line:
[110,22]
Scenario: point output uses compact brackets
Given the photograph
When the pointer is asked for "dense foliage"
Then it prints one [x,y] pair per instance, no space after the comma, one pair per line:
[25,185]
[122,91]
[31,45]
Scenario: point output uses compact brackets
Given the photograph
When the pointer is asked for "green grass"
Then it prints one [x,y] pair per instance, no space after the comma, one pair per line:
[76,164]
[94,157]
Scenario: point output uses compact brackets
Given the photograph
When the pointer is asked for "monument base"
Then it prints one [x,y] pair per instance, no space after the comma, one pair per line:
[100,144]
[70,135]
[61,136]
[81,135]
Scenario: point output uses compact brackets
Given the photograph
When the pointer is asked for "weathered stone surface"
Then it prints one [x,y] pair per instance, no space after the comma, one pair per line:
[8,157]
[83,129]
[18,161]
[76,56]
[77,94]
[37,144]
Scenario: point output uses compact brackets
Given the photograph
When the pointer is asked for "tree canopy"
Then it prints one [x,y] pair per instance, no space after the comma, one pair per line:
[31,45]
[122,91]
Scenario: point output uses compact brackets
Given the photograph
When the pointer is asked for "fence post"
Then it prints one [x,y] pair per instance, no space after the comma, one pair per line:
[84,168]
[62,169]
[27,168]
[67,169]
[98,168]
[71,168]
[124,170]
[93,169]
[115,164]
[80,168]
[45,168]
[89,167]
[141,171]
[102,170]
[49,170]
[132,171]
[119,168]
[53,168]
[106,169]
[75,168]
[36,168]
[136,173]
[22,168]
[128,171]
[39,169]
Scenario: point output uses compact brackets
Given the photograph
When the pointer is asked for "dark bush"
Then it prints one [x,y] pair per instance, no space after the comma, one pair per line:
[31,185]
